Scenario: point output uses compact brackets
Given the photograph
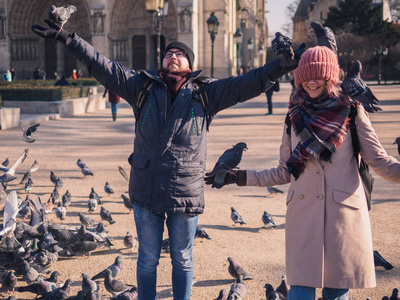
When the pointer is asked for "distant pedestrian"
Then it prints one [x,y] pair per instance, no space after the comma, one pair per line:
[13,74]
[73,75]
[114,100]
[268,93]
[7,76]
[36,74]
[62,82]
[79,73]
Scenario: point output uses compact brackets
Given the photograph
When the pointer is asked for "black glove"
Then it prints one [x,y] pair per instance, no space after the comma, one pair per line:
[54,32]
[234,176]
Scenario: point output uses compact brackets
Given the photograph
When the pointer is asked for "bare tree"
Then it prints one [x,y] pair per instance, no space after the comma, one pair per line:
[290,12]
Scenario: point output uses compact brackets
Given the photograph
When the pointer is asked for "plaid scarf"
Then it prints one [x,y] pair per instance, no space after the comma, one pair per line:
[321,128]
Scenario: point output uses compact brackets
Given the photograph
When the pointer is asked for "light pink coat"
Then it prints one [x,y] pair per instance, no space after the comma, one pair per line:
[328,231]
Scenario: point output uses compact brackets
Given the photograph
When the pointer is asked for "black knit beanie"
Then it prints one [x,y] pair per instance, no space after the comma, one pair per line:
[183,47]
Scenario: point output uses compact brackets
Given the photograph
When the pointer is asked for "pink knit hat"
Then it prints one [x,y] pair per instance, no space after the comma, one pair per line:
[317,63]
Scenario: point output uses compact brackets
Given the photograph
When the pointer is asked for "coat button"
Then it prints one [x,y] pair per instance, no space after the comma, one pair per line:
[321,197]
[301,196]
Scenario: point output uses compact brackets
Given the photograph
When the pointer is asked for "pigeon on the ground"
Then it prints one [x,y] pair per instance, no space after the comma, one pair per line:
[272,294]
[123,173]
[201,233]
[60,15]
[236,270]
[86,220]
[106,215]
[226,162]
[38,214]
[92,204]
[86,171]
[9,281]
[66,199]
[9,173]
[268,220]
[395,294]
[29,185]
[53,177]
[6,162]
[236,217]
[58,184]
[80,163]
[283,288]
[116,269]
[59,293]
[274,190]
[127,202]
[223,295]
[165,245]
[53,277]
[112,285]
[357,89]
[129,241]
[108,188]
[238,289]
[397,141]
[325,36]
[61,212]
[94,195]
[131,294]
[29,273]
[379,261]
[27,133]
[88,284]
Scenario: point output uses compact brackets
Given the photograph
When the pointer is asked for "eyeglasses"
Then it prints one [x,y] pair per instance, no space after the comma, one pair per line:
[178,54]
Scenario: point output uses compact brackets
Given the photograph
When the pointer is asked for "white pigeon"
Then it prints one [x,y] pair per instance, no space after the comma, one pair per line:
[10,215]
[60,15]
[9,173]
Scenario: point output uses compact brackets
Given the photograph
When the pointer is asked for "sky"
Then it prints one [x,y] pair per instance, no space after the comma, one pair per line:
[276,15]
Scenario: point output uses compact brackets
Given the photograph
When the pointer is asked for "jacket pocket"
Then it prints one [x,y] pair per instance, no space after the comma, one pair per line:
[346,199]
[189,181]
[137,161]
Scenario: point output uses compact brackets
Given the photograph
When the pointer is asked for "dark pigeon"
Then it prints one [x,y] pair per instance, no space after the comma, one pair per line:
[397,141]
[271,294]
[127,202]
[201,233]
[268,220]
[357,89]
[325,36]
[112,285]
[236,270]
[282,46]
[226,162]
[66,199]
[88,284]
[53,177]
[116,269]
[283,288]
[236,217]
[86,220]
[9,281]
[223,295]
[379,261]
[27,133]
[106,215]
[80,163]
[94,195]
[274,190]
[86,171]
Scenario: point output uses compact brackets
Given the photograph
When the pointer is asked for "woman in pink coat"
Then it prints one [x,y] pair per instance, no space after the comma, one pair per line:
[328,231]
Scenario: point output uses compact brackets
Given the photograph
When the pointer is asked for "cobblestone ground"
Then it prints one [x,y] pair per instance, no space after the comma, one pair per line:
[104,145]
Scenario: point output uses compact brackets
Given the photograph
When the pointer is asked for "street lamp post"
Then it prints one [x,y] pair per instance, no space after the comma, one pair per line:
[250,47]
[238,38]
[381,51]
[212,24]
[158,10]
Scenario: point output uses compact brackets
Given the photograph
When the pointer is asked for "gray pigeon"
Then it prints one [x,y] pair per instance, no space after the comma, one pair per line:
[223,295]
[29,185]
[9,173]
[86,220]
[397,141]
[9,281]
[92,204]
[88,284]
[236,270]
[115,268]
[94,195]
[106,215]
[268,220]
[357,89]
[27,133]
[325,36]
[127,202]
[29,273]
[112,285]
[108,188]
[274,190]
[60,15]
[226,162]
[129,241]
[238,289]
[201,233]
[236,217]
[80,163]
[66,199]
[61,212]
[86,171]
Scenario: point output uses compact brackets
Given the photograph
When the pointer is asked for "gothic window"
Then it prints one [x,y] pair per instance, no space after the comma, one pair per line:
[120,50]
[2,26]
[24,49]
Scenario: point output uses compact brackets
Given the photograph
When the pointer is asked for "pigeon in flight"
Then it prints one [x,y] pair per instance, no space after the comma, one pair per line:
[357,89]
[59,15]
[325,36]
[397,141]
[10,216]
[236,270]
[226,162]
[9,173]
[267,220]
[123,173]
[274,190]
[379,261]
[27,133]
[238,289]
[236,217]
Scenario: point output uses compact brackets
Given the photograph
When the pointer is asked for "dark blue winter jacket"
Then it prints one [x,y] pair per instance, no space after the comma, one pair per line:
[170,147]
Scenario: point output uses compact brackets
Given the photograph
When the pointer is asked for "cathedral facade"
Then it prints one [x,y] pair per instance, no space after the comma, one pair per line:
[123,31]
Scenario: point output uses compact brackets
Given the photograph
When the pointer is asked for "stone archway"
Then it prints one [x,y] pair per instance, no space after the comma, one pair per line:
[28,51]
[130,23]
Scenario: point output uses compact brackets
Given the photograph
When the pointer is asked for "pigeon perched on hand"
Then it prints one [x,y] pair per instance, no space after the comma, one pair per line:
[9,173]
[379,261]
[236,270]
[226,162]
[27,133]
[268,220]
[282,46]
[236,217]
[238,289]
[357,89]
[60,15]
[397,141]
[325,36]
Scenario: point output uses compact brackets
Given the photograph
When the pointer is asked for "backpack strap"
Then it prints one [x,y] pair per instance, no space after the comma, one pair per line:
[353,130]
[199,87]
[144,92]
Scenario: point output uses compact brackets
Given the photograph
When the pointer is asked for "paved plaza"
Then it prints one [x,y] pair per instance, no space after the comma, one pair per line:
[104,145]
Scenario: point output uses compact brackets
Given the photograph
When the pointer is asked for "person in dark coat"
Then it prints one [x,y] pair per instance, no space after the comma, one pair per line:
[62,82]
[268,93]
[169,158]
[114,99]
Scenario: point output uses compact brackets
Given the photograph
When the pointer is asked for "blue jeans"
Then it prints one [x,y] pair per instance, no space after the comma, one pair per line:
[181,231]
[114,106]
[297,292]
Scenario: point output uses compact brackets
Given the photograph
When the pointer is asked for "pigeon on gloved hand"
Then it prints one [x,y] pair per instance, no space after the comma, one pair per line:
[283,49]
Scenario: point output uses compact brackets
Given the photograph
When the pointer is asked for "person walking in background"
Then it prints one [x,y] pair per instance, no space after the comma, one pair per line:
[13,75]
[73,75]
[268,93]
[166,184]
[327,229]
[62,82]
[114,99]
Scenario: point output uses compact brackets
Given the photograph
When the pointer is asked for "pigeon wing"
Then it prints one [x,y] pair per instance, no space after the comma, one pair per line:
[10,208]
[19,161]
[331,40]
[123,173]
